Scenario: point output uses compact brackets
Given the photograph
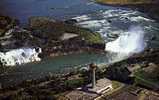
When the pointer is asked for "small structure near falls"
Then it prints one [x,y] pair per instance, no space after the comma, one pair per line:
[93,69]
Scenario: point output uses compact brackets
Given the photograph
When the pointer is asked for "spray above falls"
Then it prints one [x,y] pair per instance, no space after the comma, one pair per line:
[115,25]
[128,43]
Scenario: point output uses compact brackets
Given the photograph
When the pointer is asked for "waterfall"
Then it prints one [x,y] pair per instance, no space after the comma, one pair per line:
[128,43]
[19,56]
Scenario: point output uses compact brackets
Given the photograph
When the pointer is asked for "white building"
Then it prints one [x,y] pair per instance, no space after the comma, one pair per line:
[20,56]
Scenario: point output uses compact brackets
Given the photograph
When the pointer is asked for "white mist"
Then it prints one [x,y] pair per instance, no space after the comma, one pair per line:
[128,43]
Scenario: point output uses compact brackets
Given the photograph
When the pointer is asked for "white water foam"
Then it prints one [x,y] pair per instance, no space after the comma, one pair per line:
[81,18]
[19,56]
[128,43]
[93,24]
[115,26]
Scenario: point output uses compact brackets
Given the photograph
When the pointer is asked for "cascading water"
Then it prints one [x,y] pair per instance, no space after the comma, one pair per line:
[128,43]
[125,31]
[19,56]
[111,22]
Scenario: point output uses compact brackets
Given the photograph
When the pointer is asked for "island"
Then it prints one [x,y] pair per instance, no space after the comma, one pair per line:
[134,78]
[53,37]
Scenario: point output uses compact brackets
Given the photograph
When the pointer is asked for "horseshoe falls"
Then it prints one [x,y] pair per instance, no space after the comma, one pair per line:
[125,31]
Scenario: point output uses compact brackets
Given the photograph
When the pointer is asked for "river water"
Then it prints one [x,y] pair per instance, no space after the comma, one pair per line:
[110,22]
[59,9]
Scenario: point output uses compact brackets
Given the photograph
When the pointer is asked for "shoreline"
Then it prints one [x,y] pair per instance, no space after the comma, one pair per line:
[48,33]
[148,8]
[53,85]
[121,2]
[147,56]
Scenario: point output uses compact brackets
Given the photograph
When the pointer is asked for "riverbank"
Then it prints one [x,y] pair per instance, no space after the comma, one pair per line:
[55,37]
[57,86]
[126,2]
[151,8]
[50,35]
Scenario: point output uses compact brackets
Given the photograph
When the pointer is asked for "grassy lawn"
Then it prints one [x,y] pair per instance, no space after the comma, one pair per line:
[54,30]
[117,88]
[74,83]
[144,79]
[90,37]
[142,96]
[116,84]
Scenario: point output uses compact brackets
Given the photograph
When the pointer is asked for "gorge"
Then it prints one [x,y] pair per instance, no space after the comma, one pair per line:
[106,22]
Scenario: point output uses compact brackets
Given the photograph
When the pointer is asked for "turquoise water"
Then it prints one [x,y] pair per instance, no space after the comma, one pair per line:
[106,20]
[56,65]
[58,9]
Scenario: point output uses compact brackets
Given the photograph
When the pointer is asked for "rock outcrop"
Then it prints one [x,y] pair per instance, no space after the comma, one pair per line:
[6,23]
